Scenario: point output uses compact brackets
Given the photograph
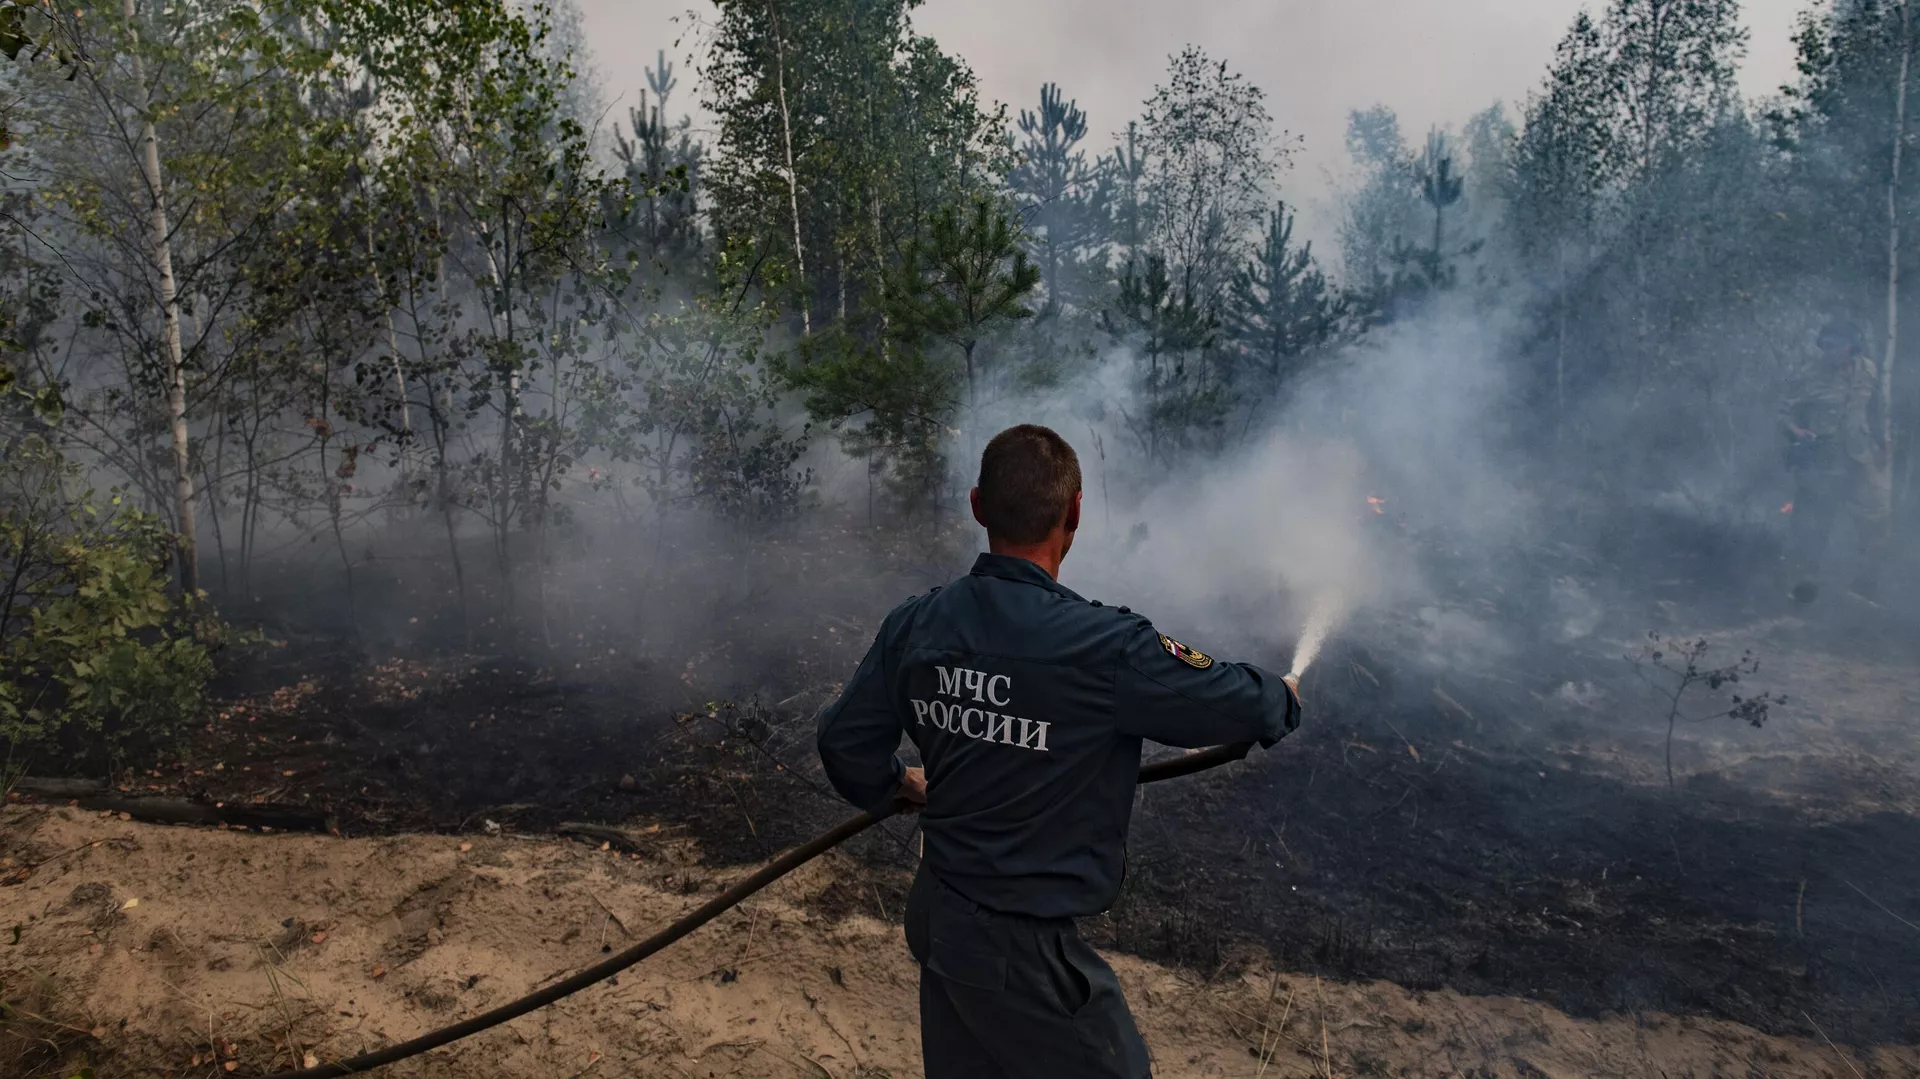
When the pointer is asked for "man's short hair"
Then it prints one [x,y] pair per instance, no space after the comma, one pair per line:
[1028,477]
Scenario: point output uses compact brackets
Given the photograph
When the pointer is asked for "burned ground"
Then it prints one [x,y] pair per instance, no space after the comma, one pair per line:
[1501,828]
[1480,834]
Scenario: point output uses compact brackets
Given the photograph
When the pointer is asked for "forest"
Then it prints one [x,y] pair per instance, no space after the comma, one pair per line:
[371,387]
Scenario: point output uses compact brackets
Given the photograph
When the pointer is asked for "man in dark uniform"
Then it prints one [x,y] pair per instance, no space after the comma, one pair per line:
[1837,456]
[1028,705]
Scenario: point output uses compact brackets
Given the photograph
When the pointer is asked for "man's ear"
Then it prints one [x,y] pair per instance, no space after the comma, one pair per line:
[1073,514]
[973,500]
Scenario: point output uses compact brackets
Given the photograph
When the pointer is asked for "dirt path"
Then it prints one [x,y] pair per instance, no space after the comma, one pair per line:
[155,951]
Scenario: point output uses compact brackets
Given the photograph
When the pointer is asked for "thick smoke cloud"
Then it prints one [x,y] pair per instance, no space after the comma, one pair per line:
[1316,505]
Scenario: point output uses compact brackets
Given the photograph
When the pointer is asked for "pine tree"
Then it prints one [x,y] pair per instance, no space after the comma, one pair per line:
[1174,332]
[1284,310]
[662,165]
[1440,187]
[1054,186]
[969,276]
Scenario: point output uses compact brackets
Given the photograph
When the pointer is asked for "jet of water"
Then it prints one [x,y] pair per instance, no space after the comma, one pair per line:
[1326,610]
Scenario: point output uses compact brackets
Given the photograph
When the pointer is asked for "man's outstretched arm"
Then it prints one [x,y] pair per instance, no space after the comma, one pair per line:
[1171,694]
[859,738]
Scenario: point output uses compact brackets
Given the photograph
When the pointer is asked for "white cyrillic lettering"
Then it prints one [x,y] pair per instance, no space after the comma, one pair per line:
[1033,735]
[995,680]
[974,680]
[920,712]
[999,728]
[966,719]
[949,682]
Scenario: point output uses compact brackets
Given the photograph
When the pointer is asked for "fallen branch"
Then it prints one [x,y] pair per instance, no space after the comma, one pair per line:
[166,809]
[59,788]
[623,840]
[163,810]
[88,845]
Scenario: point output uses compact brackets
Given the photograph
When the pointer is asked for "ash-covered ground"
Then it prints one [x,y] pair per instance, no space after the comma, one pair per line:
[1504,827]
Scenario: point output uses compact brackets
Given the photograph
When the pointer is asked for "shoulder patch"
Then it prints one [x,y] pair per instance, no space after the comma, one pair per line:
[1192,657]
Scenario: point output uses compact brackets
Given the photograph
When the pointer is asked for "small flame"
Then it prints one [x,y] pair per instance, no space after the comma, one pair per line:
[1788,508]
[1376,503]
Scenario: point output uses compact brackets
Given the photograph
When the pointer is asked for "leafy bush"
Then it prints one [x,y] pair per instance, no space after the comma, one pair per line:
[97,658]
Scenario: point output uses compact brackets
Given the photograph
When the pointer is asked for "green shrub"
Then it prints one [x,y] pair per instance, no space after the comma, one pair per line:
[97,657]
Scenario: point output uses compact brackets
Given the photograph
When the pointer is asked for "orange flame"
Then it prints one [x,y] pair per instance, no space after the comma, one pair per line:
[1376,503]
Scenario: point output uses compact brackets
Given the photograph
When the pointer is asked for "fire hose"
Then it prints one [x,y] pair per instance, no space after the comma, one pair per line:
[1173,768]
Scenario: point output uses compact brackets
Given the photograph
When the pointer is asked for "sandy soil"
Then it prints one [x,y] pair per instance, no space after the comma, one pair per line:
[154,951]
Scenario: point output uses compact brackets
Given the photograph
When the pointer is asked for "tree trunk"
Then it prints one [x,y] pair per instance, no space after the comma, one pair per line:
[400,393]
[793,177]
[500,268]
[1560,352]
[161,252]
[1893,237]
[399,370]
[333,482]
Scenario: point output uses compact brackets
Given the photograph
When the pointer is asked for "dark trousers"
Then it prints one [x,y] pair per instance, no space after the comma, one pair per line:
[1006,997]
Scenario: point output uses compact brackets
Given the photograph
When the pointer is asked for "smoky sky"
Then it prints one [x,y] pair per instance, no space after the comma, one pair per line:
[1435,62]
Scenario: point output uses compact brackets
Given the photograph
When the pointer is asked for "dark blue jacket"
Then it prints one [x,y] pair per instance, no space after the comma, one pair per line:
[1028,705]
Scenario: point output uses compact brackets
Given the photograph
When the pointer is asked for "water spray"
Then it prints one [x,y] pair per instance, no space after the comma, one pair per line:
[1326,610]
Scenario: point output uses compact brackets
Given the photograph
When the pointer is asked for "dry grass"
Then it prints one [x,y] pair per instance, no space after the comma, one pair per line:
[42,1036]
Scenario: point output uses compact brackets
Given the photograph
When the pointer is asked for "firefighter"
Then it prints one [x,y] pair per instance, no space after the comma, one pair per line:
[1836,454]
[1028,705]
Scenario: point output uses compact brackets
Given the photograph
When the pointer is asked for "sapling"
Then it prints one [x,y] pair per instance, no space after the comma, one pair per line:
[1684,664]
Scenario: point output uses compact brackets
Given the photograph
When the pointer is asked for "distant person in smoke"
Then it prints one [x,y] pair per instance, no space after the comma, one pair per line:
[1837,457]
[1028,705]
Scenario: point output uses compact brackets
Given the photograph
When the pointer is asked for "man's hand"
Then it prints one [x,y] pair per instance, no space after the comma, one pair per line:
[912,795]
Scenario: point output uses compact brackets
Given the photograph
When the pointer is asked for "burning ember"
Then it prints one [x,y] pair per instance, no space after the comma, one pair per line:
[1788,508]
[1376,503]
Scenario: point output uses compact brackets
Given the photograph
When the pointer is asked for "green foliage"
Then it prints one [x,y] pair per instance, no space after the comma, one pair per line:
[967,278]
[1062,200]
[1641,204]
[894,400]
[842,134]
[1206,141]
[1187,193]
[708,430]
[1173,331]
[33,31]
[1283,308]
[663,162]
[95,655]
[890,408]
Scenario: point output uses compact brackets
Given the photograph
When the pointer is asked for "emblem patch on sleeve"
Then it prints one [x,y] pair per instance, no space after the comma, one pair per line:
[1192,657]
